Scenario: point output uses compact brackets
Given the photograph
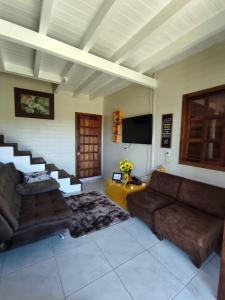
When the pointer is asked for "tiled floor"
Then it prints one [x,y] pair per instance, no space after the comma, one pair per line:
[123,262]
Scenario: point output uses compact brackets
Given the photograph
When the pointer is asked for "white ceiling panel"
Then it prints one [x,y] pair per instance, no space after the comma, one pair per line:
[97,82]
[126,19]
[17,55]
[52,64]
[22,12]
[71,18]
[118,85]
[198,48]
[77,77]
[195,13]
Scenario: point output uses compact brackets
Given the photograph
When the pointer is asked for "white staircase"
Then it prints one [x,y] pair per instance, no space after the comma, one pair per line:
[24,162]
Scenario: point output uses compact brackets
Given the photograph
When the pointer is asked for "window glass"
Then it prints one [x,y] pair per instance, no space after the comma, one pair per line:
[197,108]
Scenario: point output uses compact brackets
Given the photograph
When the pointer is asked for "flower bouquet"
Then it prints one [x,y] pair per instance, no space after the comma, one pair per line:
[126,168]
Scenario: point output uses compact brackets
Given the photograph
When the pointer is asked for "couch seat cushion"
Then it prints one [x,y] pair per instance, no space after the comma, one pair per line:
[144,203]
[43,208]
[37,187]
[191,229]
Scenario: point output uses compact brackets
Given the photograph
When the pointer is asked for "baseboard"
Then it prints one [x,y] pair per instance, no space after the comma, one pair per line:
[90,178]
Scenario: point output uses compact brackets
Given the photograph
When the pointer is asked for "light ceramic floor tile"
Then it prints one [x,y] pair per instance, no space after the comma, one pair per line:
[129,222]
[204,285]
[38,282]
[119,246]
[108,287]
[142,233]
[104,232]
[216,261]
[2,256]
[68,244]
[177,261]
[81,266]
[185,295]
[26,255]
[97,185]
[146,278]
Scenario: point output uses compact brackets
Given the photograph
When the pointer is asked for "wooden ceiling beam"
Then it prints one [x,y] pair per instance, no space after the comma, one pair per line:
[46,11]
[28,38]
[134,42]
[157,21]
[89,37]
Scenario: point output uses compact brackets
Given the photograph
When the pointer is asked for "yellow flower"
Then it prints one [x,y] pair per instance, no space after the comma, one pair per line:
[126,166]
[122,168]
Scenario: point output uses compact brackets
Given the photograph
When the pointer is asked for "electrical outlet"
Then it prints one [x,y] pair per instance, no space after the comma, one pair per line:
[168,153]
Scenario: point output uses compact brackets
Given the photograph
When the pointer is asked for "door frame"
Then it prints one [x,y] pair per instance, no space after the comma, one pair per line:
[77,140]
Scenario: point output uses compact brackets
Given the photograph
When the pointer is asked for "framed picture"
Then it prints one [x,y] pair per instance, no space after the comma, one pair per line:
[166,134]
[33,104]
[117,176]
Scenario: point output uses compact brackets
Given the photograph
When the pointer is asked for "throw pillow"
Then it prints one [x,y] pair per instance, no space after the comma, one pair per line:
[36,177]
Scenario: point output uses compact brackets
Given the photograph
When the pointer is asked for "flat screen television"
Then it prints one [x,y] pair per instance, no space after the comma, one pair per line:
[137,130]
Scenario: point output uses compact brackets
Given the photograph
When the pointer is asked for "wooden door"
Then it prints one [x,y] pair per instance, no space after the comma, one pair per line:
[88,145]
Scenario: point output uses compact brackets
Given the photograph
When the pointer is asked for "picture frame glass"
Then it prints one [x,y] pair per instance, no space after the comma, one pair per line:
[117,176]
[34,104]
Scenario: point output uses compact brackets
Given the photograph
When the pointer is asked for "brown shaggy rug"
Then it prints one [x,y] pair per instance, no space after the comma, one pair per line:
[93,211]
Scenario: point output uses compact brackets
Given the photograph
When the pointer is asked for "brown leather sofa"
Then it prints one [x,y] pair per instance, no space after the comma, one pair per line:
[186,212]
[24,219]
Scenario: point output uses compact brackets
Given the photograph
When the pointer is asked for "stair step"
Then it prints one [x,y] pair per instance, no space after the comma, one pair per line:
[1,139]
[74,180]
[37,160]
[14,145]
[51,168]
[63,174]
[23,153]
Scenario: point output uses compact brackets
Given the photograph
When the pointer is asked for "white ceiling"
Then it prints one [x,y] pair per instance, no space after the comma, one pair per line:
[105,28]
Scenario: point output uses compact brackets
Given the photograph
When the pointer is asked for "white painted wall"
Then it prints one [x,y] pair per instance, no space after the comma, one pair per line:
[52,139]
[132,101]
[201,71]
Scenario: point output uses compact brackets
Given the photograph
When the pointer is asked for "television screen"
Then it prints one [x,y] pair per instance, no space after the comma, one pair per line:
[137,130]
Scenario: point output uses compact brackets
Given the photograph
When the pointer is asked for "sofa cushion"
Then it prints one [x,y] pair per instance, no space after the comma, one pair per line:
[37,187]
[144,203]
[165,183]
[194,231]
[208,198]
[10,200]
[43,209]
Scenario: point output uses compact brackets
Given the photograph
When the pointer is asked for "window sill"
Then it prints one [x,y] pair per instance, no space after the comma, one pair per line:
[202,165]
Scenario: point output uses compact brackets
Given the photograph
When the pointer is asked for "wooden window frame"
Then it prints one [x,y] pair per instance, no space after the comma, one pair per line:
[185,126]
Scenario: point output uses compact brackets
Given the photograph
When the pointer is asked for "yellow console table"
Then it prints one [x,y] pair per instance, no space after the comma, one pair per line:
[118,192]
